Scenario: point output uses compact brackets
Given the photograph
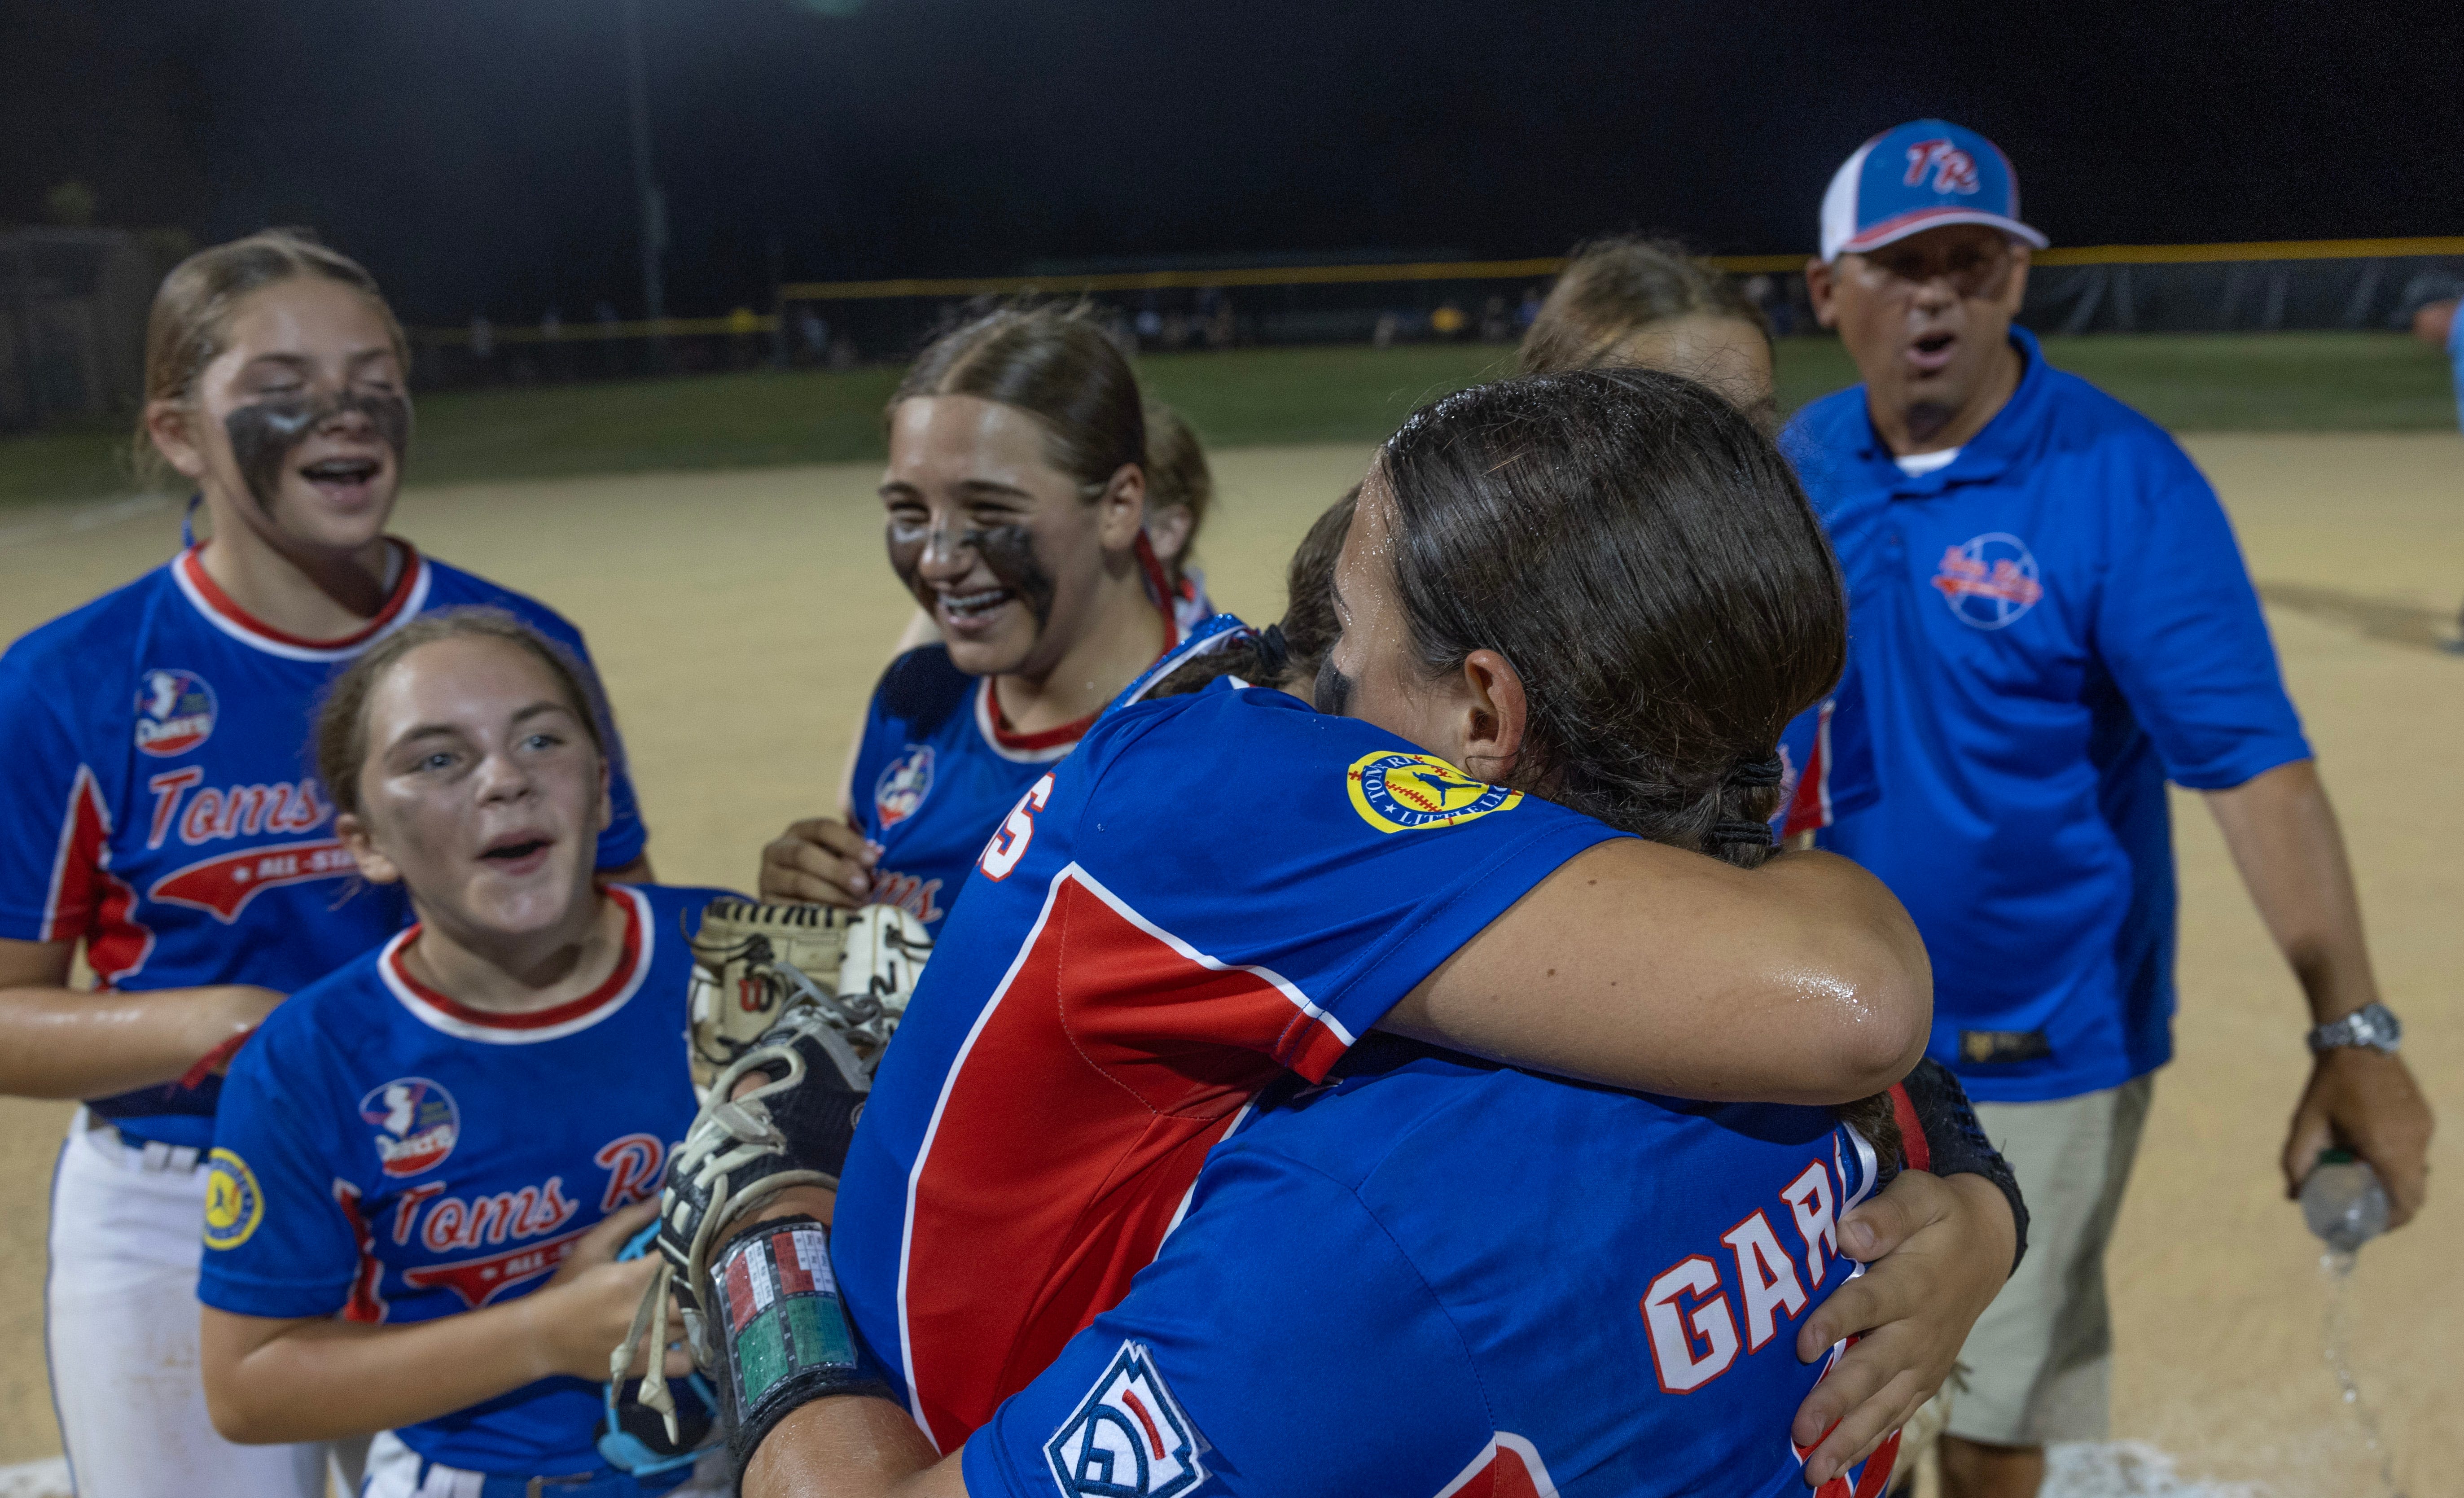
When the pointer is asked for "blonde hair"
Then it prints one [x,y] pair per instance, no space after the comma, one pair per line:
[190,324]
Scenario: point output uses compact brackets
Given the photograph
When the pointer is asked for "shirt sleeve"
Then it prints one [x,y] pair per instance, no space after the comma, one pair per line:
[1225,1372]
[2179,627]
[1343,868]
[1829,749]
[54,821]
[279,1236]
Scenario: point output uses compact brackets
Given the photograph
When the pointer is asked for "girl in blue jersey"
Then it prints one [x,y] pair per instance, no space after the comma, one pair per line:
[155,812]
[1017,492]
[428,1160]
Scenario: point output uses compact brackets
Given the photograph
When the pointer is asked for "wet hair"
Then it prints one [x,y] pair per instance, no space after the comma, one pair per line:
[342,738]
[1645,559]
[190,324]
[1177,476]
[1615,288]
[1057,366]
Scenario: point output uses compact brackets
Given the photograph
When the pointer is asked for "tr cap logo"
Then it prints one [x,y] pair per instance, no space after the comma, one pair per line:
[233,1204]
[1398,792]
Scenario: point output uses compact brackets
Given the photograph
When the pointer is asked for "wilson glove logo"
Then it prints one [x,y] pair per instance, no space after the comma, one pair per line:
[1398,792]
[1129,1439]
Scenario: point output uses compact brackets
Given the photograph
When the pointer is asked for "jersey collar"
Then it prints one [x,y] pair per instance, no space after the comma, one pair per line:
[1985,456]
[440,1011]
[408,597]
[1048,744]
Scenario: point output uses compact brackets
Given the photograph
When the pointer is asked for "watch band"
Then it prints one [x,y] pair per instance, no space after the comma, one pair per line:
[2372,1024]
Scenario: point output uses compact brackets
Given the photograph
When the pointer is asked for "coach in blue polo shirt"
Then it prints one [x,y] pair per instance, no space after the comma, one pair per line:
[2055,620]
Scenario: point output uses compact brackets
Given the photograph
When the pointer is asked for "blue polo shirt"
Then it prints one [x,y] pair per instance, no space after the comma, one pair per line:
[2050,627]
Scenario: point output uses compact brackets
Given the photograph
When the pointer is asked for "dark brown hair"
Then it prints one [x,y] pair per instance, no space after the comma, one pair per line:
[1057,367]
[1309,624]
[342,740]
[189,323]
[1644,559]
[1616,287]
[1176,474]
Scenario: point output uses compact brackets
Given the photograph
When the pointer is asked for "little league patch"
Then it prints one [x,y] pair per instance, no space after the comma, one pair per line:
[1398,792]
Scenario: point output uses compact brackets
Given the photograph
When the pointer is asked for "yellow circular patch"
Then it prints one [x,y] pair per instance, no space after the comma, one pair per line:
[233,1206]
[1398,792]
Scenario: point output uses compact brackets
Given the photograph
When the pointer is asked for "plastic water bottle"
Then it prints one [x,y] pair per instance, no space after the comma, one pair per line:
[2342,1201]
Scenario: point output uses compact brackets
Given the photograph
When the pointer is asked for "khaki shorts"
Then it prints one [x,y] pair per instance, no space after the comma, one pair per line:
[2038,1365]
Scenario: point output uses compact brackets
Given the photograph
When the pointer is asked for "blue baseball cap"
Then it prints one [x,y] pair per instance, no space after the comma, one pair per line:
[1919,176]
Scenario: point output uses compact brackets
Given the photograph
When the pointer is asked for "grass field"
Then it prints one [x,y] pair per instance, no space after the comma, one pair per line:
[2281,381]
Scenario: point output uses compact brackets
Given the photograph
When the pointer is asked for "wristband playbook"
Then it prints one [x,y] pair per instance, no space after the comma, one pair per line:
[773,1307]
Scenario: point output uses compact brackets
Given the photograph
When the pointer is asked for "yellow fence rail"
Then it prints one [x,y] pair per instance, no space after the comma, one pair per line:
[744,322]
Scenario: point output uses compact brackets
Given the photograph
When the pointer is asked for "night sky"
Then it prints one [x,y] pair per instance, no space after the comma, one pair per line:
[475,152]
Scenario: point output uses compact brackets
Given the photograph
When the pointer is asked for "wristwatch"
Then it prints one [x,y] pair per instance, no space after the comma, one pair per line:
[2372,1024]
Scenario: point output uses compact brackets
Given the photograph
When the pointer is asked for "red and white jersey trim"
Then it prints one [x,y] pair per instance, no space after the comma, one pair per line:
[1049,744]
[1307,1006]
[408,597]
[86,898]
[1303,1039]
[1809,801]
[441,1012]
[1510,1467]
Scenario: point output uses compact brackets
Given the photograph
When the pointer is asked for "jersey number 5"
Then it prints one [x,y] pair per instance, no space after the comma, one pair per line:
[1017,829]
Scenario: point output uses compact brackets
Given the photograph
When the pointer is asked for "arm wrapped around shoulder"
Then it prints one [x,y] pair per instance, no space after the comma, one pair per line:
[1955,1142]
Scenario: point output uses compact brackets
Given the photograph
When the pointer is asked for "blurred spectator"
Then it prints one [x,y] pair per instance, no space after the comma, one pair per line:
[1150,326]
[1388,325]
[1448,320]
[1526,310]
[483,337]
[1221,330]
[1494,326]
[813,333]
[1176,330]
[844,355]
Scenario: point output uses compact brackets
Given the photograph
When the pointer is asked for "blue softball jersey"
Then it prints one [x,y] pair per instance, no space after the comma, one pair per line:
[161,804]
[1213,889]
[937,766]
[1432,1275]
[2050,626]
[387,1155]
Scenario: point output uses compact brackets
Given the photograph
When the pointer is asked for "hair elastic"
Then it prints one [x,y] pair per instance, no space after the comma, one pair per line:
[1274,652]
[1723,832]
[1767,771]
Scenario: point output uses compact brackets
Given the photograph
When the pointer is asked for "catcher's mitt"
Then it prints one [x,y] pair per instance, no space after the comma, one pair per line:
[811,1056]
[751,960]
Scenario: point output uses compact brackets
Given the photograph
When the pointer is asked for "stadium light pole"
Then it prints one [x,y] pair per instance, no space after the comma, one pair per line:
[654,206]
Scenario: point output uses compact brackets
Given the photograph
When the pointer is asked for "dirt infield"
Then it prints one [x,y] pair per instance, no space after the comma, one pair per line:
[739,618]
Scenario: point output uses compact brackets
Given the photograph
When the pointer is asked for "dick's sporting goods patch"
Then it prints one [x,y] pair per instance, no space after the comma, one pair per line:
[1398,792]
[1129,1437]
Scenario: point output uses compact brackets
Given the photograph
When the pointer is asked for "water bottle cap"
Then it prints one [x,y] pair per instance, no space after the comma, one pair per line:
[2336,1157]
